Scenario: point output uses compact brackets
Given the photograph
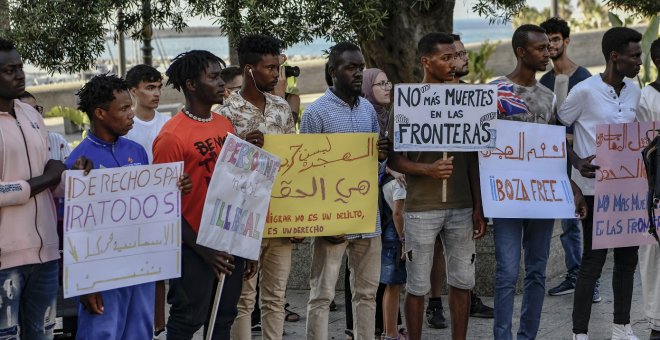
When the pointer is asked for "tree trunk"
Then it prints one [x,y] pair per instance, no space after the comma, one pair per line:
[147,33]
[4,8]
[395,50]
[232,40]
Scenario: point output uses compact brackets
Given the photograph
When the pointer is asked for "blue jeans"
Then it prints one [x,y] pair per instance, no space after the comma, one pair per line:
[533,237]
[28,294]
[572,244]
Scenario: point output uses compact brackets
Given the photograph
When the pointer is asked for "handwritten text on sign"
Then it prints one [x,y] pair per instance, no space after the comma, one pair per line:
[237,200]
[121,227]
[620,216]
[444,117]
[327,184]
[524,176]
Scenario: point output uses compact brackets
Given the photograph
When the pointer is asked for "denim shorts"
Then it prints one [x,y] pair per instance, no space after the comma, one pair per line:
[392,268]
[455,229]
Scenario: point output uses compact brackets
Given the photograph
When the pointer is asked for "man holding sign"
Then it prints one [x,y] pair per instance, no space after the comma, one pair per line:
[606,98]
[122,313]
[254,108]
[342,110]
[196,136]
[443,199]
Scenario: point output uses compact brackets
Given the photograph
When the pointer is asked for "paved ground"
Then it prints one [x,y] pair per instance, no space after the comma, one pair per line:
[555,319]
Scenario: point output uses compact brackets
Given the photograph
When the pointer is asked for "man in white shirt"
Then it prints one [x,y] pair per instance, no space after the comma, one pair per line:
[649,256]
[606,98]
[145,83]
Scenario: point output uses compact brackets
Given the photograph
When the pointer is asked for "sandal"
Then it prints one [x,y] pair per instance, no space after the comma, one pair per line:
[403,333]
[349,334]
[291,316]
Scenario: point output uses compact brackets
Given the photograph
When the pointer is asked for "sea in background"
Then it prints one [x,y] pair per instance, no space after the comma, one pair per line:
[471,31]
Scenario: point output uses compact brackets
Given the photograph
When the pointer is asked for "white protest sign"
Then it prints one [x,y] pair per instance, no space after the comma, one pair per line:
[121,227]
[237,201]
[524,176]
[444,117]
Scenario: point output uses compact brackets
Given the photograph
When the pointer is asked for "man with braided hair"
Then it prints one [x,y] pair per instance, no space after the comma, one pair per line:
[196,136]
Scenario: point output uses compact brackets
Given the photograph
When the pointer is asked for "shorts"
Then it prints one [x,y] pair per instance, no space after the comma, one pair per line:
[392,267]
[455,229]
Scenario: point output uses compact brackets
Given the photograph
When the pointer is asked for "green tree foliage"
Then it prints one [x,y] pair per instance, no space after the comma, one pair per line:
[68,35]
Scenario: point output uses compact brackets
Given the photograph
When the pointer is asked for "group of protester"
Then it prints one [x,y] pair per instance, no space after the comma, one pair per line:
[430,216]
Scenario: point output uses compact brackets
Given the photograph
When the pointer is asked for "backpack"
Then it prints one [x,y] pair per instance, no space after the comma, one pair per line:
[651,158]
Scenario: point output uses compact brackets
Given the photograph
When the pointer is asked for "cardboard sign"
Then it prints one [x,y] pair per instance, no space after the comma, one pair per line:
[524,176]
[121,227]
[444,117]
[237,199]
[327,185]
[620,216]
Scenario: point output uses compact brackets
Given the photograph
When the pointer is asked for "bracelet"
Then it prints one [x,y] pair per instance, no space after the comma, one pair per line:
[402,239]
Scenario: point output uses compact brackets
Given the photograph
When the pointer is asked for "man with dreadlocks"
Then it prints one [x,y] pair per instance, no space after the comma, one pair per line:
[196,136]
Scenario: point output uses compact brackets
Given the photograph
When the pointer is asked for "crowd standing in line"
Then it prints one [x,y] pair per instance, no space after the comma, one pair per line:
[429,216]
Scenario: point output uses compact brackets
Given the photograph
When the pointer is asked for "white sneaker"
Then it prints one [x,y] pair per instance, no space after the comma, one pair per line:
[580,336]
[623,332]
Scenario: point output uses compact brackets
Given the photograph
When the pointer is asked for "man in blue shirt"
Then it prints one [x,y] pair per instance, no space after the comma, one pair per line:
[342,110]
[558,34]
[123,313]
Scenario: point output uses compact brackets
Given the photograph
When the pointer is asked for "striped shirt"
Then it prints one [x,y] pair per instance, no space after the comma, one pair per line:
[330,114]
[58,146]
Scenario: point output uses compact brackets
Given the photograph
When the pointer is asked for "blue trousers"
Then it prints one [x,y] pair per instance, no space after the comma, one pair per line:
[572,244]
[27,301]
[128,314]
[511,237]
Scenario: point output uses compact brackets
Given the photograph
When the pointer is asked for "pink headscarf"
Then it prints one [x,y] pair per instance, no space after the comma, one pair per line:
[368,78]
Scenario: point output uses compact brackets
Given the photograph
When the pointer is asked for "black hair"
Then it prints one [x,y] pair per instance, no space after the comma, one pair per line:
[337,50]
[655,49]
[26,94]
[556,25]
[328,77]
[6,45]
[190,66]
[456,37]
[228,74]
[99,92]
[521,35]
[252,47]
[618,38]
[143,73]
[428,43]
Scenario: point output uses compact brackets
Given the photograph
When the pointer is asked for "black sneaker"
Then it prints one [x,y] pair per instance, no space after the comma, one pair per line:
[655,335]
[479,310]
[566,287]
[434,316]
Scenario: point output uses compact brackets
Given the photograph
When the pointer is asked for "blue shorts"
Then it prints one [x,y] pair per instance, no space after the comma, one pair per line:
[392,268]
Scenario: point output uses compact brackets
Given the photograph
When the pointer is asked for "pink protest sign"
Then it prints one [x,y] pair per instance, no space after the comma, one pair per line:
[620,216]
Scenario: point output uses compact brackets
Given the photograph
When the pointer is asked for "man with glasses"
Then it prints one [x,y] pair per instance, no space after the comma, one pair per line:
[58,146]
[457,216]
[233,78]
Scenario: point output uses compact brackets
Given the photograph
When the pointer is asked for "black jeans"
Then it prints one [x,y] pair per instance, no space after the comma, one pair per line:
[625,262]
[191,297]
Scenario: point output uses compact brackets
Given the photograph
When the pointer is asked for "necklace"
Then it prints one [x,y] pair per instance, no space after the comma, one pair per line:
[193,117]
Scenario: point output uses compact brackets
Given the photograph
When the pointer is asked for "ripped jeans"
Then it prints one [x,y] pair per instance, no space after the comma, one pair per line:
[27,301]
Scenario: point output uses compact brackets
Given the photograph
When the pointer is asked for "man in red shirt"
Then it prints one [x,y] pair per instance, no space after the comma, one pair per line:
[196,136]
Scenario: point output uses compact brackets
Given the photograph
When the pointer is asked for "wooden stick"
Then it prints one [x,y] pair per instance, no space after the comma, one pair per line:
[444,181]
[216,304]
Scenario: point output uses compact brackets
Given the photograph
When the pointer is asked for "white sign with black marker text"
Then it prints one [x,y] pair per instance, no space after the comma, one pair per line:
[444,117]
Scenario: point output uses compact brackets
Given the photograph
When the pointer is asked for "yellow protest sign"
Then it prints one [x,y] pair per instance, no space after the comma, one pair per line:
[327,184]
